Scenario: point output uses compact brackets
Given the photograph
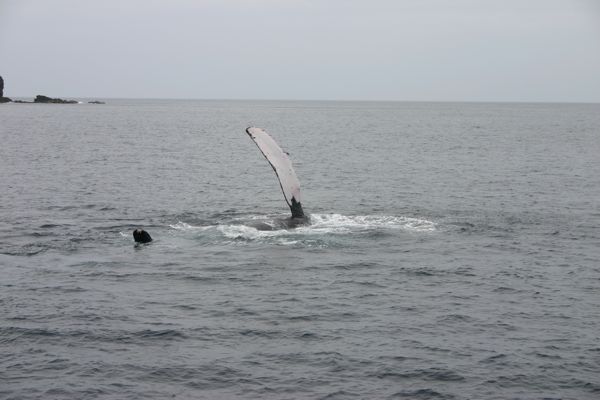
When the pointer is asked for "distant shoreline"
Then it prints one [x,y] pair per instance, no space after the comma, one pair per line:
[41,99]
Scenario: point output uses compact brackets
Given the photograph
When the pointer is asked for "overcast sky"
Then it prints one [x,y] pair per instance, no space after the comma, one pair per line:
[464,50]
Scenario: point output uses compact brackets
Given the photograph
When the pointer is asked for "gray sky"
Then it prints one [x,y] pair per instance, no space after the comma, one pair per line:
[465,50]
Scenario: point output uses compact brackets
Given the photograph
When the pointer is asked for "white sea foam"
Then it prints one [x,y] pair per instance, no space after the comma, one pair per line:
[321,225]
[184,226]
[245,232]
[338,223]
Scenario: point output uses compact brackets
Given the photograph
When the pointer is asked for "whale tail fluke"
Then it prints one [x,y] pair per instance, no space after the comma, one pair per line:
[282,165]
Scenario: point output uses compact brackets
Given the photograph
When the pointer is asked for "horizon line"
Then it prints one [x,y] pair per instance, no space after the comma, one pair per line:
[324,100]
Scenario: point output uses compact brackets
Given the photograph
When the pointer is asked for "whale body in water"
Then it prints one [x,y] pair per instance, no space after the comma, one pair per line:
[282,165]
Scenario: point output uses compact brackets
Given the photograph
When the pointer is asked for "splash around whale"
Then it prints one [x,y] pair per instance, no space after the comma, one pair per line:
[288,181]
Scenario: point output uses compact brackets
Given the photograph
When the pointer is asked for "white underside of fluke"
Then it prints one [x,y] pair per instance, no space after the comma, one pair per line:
[281,163]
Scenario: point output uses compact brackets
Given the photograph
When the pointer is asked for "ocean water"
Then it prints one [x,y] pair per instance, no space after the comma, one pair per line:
[454,251]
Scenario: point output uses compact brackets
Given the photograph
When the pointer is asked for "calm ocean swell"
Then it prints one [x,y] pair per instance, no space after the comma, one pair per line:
[453,251]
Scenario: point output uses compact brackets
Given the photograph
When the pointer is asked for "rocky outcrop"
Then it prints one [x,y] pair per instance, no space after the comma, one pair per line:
[45,99]
[2,98]
[39,98]
[96,102]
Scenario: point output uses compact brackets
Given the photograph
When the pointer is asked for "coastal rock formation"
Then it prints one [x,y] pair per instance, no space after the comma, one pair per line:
[45,99]
[39,98]
[2,98]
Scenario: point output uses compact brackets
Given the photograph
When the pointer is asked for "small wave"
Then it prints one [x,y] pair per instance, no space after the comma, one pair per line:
[339,394]
[260,333]
[430,374]
[50,226]
[160,334]
[455,318]
[27,250]
[14,333]
[421,394]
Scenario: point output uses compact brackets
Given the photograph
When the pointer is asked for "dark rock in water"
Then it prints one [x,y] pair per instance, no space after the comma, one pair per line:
[96,102]
[45,99]
[2,98]
[141,236]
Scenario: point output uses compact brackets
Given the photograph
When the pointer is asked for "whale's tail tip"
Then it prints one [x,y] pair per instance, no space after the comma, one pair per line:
[252,131]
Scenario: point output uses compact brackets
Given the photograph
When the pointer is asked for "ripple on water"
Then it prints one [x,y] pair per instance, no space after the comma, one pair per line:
[416,280]
[424,394]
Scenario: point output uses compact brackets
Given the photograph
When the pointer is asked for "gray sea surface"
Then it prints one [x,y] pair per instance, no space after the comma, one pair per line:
[454,251]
